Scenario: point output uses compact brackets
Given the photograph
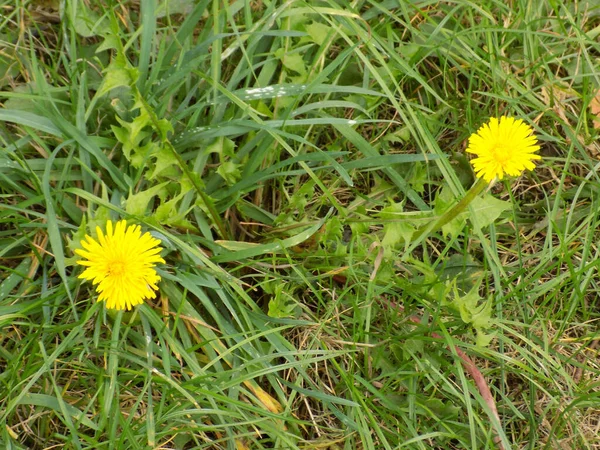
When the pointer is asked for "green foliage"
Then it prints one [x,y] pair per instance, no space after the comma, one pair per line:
[282,302]
[137,204]
[472,308]
[445,200]
[294,159]
[395,229]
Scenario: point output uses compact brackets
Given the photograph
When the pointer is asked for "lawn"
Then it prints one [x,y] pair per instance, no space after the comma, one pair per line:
[333,273]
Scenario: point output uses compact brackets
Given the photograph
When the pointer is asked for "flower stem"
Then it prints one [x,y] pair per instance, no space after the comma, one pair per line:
[453,211]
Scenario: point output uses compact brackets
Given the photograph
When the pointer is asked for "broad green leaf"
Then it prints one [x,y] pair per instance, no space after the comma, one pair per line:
[291,61]
[130,142]
[394,234]
[118,74]
[223,146]
[282,304]
[397,228]
[443,200]
[86,22]
[319,32]
[484,339]
[487,210]
[143,153]
[164,160]
[332,231]
[230,172]
[111,42]
[137,204]
[167,8]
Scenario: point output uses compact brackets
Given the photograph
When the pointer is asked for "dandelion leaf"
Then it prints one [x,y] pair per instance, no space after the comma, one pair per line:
[137,204]
[318,32]
[281,303]
[398,227]
[486,210]
[230,172]
[86,22]
[164,160]
[291,61]
[473,309]
[118,74]
[443,201]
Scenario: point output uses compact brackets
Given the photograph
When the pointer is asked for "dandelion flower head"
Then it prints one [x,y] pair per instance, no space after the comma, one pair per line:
[121,263]
[505,146]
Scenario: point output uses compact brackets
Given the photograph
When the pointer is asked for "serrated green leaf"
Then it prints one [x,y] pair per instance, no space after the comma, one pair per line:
[467,304]
[223,146]
[136,125]
[332,231]
[282,304]
[291,61]
[444,200]
[481,316]
[397,229]
[166,210]
[74,241]
[164,160]
[129,142]
[164,127]
[167,213]
[473,310]
[115,77]
[303,195]
[137,204]
[230,172]
[111,42]
[396,233]
[142,154]
[484,339]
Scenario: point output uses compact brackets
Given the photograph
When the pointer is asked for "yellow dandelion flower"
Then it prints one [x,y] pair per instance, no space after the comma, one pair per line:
[505,146]
[121,262]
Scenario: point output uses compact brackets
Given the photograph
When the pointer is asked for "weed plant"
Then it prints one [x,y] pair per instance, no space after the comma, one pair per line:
[293,158]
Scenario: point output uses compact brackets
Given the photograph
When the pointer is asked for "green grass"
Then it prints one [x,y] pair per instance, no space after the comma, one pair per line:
[286,153]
